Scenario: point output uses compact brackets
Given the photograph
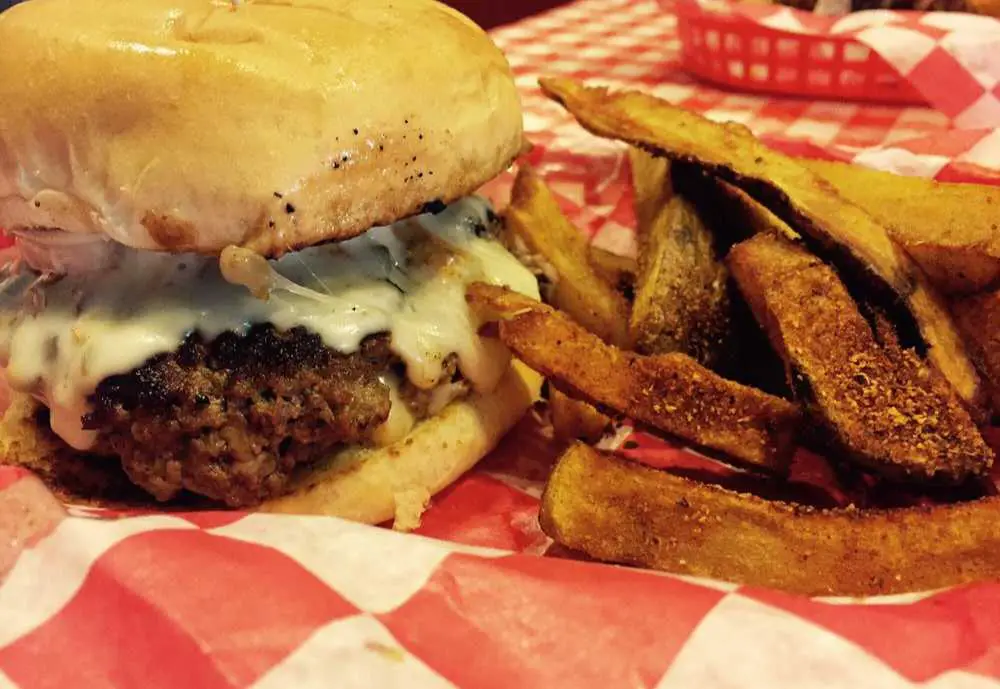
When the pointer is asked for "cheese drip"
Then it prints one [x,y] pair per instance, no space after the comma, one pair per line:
[59,339]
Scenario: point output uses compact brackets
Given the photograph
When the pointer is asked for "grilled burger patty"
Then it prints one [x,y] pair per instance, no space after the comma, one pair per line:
[231,418]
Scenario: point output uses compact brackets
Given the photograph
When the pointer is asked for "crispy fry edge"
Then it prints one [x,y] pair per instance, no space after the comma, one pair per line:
[619,511]
[671,392]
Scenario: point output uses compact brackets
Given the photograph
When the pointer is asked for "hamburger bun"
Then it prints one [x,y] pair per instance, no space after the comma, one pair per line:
[189,125]
[395,482]
[139,133]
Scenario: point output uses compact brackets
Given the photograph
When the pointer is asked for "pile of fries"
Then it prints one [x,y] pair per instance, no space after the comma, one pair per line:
[776,304]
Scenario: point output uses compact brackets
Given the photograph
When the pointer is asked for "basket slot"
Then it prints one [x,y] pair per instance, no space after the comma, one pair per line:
[736,52]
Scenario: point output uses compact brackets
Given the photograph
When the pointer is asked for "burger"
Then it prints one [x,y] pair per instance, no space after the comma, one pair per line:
[244,232]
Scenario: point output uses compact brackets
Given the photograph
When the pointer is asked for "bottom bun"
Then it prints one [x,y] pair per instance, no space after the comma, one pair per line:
[375,485]
[371,485]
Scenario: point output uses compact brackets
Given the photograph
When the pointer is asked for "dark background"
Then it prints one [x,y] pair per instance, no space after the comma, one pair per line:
[490,13]
[487,13]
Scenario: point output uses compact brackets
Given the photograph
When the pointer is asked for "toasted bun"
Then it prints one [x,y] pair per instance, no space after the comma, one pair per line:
[395,482]
[366,485]
[191,125]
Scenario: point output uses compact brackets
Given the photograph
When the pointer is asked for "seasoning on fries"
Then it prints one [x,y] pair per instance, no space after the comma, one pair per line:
[806,202]
[752,267]
[978,318]
[881,404]
[616,510]
[670,392]
[682,297]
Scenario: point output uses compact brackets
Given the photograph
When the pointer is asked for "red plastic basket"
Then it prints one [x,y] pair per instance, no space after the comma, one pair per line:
[734,51]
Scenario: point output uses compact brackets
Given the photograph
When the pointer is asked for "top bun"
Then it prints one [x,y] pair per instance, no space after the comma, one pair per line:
[191,125]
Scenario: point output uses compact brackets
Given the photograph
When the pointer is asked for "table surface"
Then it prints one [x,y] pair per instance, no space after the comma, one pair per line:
[489,13]
[486,13]
[635,44]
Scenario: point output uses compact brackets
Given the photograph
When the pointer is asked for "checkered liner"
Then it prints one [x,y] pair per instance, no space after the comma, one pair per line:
[952,60]
[729,48]
[96,599]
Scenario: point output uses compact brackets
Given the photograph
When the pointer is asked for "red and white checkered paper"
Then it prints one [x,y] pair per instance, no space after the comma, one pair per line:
[953,59]
[95,599]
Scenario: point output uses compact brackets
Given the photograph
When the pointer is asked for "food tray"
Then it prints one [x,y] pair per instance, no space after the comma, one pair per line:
[733,51]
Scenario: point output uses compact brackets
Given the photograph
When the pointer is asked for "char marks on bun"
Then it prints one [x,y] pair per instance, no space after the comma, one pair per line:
[191,125]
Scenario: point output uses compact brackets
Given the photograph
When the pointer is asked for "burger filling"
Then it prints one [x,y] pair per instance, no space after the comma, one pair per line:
[220,377]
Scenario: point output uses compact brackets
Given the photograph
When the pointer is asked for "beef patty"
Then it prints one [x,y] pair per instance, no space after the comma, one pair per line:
[231,418]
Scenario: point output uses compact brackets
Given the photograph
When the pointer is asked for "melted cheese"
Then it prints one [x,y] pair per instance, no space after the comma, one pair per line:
[401,420]
[59,339]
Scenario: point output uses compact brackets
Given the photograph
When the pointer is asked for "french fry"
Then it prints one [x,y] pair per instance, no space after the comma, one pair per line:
[799,197]
[951,231]
[731,213]
[881,405]
[955,269]
[979,318]
[652,187]
[534,218]
[681,295]
[575,420]
[670,392]
[616,270]
[619,511]
[704,310]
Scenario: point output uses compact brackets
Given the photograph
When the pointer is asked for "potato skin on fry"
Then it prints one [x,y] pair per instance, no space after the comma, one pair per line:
[670,392]
[682,297]
[729,210]
[619,511]
[807,202]
[535,220]
[880,404]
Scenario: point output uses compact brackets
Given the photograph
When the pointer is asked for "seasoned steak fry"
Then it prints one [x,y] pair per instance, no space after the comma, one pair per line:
[618,511]
[979,318]
[670,392]
[681,297]
[652,187]
[574,419]
[950,230]
[616,270]
[731,213]
[541,234]
[803,200]
[880,404]
[682,287]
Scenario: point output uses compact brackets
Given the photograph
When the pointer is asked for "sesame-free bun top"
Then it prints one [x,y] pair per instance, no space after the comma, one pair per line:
[191,125]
